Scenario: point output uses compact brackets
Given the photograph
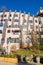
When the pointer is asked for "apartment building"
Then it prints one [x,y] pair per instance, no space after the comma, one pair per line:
[17,28]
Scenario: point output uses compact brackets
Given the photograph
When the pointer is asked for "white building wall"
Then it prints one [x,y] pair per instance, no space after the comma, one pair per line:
[17,23]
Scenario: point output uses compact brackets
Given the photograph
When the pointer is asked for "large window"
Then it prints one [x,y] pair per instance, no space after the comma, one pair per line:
[28,40]
[10,40]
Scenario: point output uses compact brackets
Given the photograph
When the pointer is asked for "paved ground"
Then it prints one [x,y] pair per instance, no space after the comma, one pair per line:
[5,63]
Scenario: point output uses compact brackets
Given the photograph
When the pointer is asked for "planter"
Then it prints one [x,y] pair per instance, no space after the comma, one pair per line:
[10,60]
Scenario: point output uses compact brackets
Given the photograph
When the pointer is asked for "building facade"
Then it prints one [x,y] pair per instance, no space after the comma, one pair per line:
[16,29]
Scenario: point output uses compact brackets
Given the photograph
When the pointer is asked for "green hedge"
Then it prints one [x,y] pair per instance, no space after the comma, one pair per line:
[8,55]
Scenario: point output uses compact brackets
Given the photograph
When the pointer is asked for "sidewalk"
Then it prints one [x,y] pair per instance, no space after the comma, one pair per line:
[6,63]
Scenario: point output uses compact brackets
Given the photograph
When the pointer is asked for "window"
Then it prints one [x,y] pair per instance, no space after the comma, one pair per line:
[9,15]
[11,40]
[2,40]
[5,19]
[5,15]
[0,31]
[15,15]
[16,20]
[9,26]
[31,26]
[41,29]
[22,15]
[9,19]
[2,15]
[17,40]
[36,26]
[31,21]
[36,21]
[8,31]
[29,32]
[41,26]
[39,22]
[41,40]
[24,26]
[16,26]
[15,32]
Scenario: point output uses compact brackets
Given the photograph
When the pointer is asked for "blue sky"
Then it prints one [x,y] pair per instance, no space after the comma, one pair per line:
[31,6]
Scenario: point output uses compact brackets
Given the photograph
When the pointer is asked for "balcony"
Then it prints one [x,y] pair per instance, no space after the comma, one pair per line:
[16,27]
[13,40]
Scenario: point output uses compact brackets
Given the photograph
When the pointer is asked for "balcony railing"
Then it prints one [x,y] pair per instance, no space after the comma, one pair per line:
[16,26]
[14,40]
